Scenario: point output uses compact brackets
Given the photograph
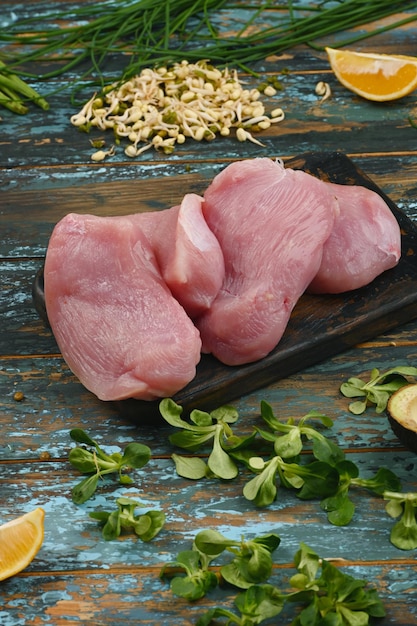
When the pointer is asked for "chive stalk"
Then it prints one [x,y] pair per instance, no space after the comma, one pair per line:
[157,32]
[9,101]
[12,84]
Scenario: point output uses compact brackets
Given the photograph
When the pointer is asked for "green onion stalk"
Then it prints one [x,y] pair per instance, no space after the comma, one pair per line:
[14,92]
[157,32]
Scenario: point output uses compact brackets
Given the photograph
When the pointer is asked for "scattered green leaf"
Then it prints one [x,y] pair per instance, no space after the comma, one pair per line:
[256,604]
[326,595]
[377,390]
[330,596]
[194,467]
[313,480]
[93,460]
[403,505]
[145,526]
[213,427]
[252,562]
[197,579]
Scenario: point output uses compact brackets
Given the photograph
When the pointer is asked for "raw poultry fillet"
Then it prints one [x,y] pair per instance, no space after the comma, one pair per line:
[271,224]
[119,328]
[134,300]
[188,254]
[365,241]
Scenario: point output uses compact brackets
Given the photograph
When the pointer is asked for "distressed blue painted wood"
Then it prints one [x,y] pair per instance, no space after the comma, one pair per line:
[46,172]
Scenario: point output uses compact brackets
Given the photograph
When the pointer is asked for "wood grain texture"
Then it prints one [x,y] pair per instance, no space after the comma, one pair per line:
[130,597]
[78,578]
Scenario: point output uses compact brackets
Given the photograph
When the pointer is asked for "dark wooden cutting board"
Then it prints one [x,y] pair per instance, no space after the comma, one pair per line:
[319,327]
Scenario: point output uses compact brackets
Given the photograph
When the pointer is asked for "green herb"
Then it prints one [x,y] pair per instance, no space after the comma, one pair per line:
[330,477]
[255,605]
[404,532]
[145,526]
[325,596]
[332,597]
[13,90]
[193,467]
[213,427]
[252,562]
[290,444]
[161,31]
[315,479]
[340,508]
[198,579]
[377,390]
[94,461]
[250,565]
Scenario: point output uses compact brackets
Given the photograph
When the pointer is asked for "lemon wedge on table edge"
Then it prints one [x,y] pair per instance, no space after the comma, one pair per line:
[20,541]
[377,77]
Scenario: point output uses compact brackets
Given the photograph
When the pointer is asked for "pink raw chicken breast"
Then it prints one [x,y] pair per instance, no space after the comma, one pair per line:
[188,254]
[119,328]
[365,241]
[271,223]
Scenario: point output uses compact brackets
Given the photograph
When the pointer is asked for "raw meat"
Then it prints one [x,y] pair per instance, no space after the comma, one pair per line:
[119,328]
[365,241]
[271,223]
[122,293]
[189,255]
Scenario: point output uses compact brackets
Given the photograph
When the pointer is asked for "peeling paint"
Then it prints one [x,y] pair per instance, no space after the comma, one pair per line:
[77,578]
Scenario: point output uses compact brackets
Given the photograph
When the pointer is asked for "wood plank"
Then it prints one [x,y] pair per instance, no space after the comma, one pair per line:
[31,209]
[138,596]
[344,120]
[54,401]
[45,172]
[73,540]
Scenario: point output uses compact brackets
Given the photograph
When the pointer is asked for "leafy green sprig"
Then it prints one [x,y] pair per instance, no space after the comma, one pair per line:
[196,578]
[145,526]
[148,31]
[330,596]
[316,479]
[251,563]
[203,428]
[255,605]
[377,390]
[312,480]
[326,596]
[288,438]
[403,505]
[329,477]
[90,459]
[339,506]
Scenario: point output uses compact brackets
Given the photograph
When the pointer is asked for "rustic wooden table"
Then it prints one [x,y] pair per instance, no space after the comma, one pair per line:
[78,577]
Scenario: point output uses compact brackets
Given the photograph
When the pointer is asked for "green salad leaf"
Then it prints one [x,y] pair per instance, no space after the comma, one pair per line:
[330,596]
[90,458]
[255,605]
[145,526]
[403,505]
[195,579]
[378,389]
[201,429]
